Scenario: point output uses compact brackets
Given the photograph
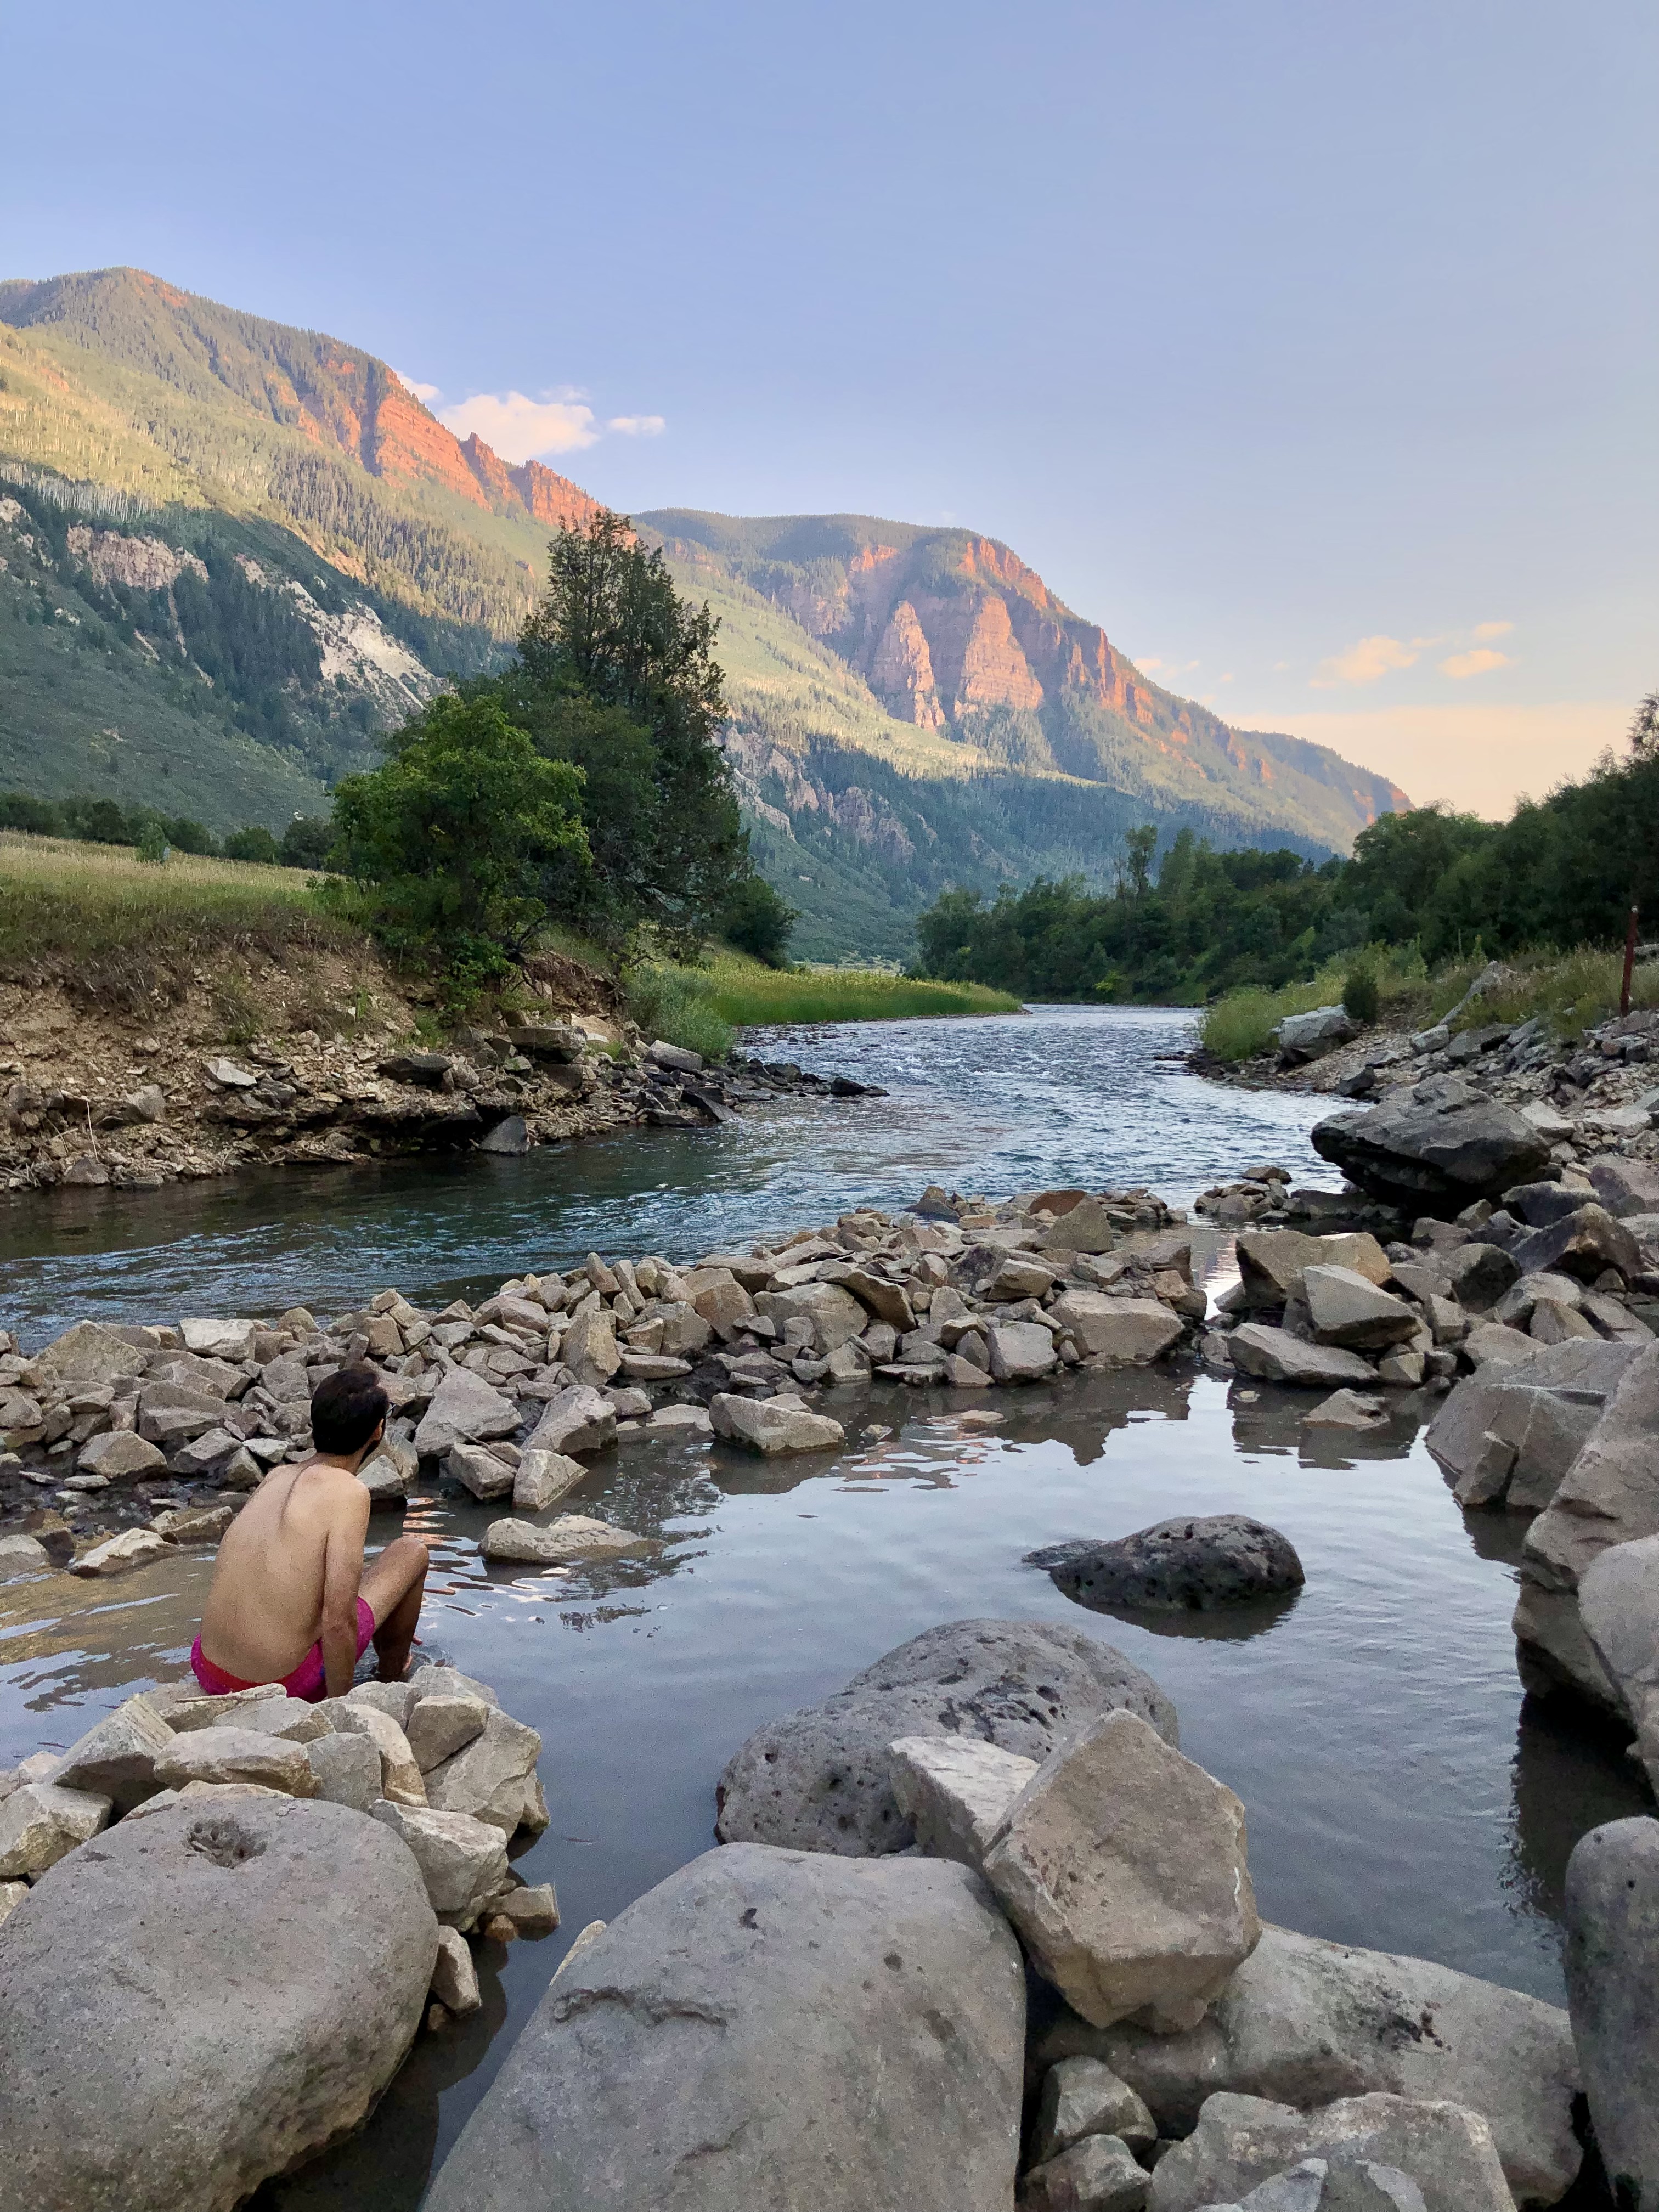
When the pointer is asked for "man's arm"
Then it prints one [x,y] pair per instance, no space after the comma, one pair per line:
[343,1575]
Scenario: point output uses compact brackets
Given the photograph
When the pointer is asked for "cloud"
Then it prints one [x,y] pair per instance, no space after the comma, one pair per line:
[1367,662]
[427,391]
[521,428]
[1477,663]
[1482,630]
[637,426]
[1476,757]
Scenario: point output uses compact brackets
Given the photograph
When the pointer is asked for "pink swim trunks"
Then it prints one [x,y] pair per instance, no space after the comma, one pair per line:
[308,1681]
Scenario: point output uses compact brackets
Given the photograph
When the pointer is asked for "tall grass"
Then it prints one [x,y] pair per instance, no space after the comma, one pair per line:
[749,996]
[676,1006]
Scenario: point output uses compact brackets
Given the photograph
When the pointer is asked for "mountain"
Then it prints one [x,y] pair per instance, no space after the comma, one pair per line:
[231,552]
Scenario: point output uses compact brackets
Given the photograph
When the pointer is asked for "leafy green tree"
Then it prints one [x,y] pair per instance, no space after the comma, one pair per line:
[1139,846]
[465,841]
[253,843]
[755,920]
[306,843]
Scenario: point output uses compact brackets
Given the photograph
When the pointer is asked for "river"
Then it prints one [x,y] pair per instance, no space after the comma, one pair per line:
[1398,1794]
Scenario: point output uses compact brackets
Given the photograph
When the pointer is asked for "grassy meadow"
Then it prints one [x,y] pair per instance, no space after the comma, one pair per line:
[703,1008]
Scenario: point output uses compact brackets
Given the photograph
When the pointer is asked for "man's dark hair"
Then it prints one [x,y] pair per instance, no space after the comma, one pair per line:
[347,1409]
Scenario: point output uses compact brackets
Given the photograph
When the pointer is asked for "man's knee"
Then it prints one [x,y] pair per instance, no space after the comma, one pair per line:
[407,1556]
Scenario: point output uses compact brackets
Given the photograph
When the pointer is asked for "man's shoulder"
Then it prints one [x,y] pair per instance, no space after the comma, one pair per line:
[334,1487]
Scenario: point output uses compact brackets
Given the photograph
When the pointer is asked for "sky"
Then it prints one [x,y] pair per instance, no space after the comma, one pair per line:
[1311,350]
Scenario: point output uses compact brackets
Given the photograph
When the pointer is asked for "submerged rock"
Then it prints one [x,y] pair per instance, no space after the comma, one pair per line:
[1189,1565]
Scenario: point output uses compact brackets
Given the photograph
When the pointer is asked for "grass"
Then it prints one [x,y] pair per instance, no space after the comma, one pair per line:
[1572,991]
[676,1006]
[749,996]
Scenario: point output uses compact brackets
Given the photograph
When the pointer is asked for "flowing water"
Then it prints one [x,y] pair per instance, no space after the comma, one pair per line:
[1398,1793]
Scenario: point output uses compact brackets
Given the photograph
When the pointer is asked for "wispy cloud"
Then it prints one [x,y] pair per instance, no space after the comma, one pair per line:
[637,426]
[426,392]
[520,428]
[1368,661]
[1485,630]
[1477,662]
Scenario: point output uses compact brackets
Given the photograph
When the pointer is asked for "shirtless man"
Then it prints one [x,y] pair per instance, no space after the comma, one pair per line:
[291,1601]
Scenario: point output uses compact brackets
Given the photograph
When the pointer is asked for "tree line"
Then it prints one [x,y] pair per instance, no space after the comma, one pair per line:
[1563,871]
[305,842]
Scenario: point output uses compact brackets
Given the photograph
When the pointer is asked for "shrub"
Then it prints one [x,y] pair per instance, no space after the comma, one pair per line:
[1362,993]
[253,843]
[677,1005]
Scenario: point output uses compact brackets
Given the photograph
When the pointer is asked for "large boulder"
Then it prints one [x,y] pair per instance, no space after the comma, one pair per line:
[88,1354]
[210,1995]
[464,1410]
[1584,1244]
[1436,1148]
[1241,2141]
[1612,1970]
[1302,1038]
[1121,1332]
[821,1779]
[1276,1355]
[1273,1263]
[1610,1495]
[1123,1867]
[1619,1606]
[1347,1309]
[772,1425]
[766,2028]
[1189,1565]
[1507,1434]
[1304,2021]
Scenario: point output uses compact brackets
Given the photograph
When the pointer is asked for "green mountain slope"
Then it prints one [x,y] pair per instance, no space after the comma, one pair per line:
[231,552]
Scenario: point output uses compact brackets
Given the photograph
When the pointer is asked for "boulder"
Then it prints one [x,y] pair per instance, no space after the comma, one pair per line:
[766,2028]
[534,1910]
[438,1726]
[956,1791]
[90,1354]
[1336,2184]
[783,1423]
[510,1138]
[543,1478]
[346,1768]
[1122,1866]
[1188,1565]
[171,1413]
[1099,2174]
[1086,1226]
[589,1348]
[216,1992]
[1303,2022]
[1618,1607]
[454,1977]
[571,1535]
[1477,1274]
[358,1715]
[577,1420]
[477,1470]
[119,1555]
[1347,1309]
[1122,1332]
[1020,1350]
[1584,1245]
[1492,1345]
[187,1525]
[491,1776]
[464,1410]
[22,1555]
[41,1823]
[1278,1357]
[1436,1147]
[1302,1038]
[821,1779]
[1083,2097]
[389,1477]
[1240,2142]
[1538,1415]
[1347,1409]
[235,1754]
[462,1861]
[1626,1186]
[836,1314]
[1273,1262]
[116,1758]
[888,1302]
[1613,1966]
[219,1339]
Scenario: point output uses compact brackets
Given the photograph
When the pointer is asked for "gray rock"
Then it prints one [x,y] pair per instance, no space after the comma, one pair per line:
[1278,1357]
[1613,1968]
[821,1779]
[438,1726]
[1241,2141]
[1347,1310]
[462,1861]
[477,1469]
[1347,1409]
[571,1536]
[40,1824]
[766,2028]
[956,1792]
[1189,1565]
[202,1999]
[464,1410]
[1084,2097]
[1491,1345]
[510,1137]
[1304,2021]
[1122,1866]
[1020,1350]
[1085,1227]
[1435,1147]
[88,1354]
[1626,1186]
[1584,1245]
[22,1555]
[454,1977]
[219,1338]
[1478,1274]
[120,1454]
[1301,1037]
[1541,1412]
[346,1769]
[836,1316]
[1271,1262]
[116,1758]
[119,1555]
[390,1476]
[1619,1606]
[577,1420]
[1122,1332]
[772,1425]
[355,1715]
[1337,2184]
[235,1754]
[589,1348]
[1099,2174]
[490,1776]
[544,1477]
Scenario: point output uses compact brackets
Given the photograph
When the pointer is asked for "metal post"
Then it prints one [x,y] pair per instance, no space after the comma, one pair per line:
[1630,960]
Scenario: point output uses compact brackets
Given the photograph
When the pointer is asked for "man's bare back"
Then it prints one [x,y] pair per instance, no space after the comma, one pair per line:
[290,1596]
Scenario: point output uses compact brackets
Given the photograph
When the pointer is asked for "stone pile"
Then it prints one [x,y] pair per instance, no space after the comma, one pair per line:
[379,1824]
[150,1430]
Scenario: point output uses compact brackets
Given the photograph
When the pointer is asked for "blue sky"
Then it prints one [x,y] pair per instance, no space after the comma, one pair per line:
[1311,349]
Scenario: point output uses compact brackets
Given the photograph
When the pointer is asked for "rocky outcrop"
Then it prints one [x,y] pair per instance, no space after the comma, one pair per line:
[766,2028]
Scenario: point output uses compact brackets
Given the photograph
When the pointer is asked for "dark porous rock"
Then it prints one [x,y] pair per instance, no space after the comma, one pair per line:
[767,2028]
[1438,1148]
[821,1779]
[200,1998]
[1612,1970]
[1583,1244]
[1183,1565]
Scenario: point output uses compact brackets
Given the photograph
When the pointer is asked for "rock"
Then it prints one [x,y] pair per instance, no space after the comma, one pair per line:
[1020,1351]
[544,1477]
[1100,2174]
[1304,2021]
[1478,1274]
[228,1076]
[1301,1037]
[492,1776]
[116,1758]
[836,1314]
[1612,1964]
[400,1776]
[783,1423]
[1435,1147]
[1347,1409]
[90,1354]
[346,1768]
[12,1894]
[219,1990]
[1086,1226]
[1610,1495]
[1273,1262]
[766,2028]
[1188,1565]
[956,1791]
[572,1535]
[430,1679]
[577,1420]
[1083,2097]
[1124,1332]
[438,1726]
[219,1339]
[1122,1866]
[22,1555]
[235,1754]
[654,1367]
[679,1420]
[464,1410]
[1347,1310]
[533,1911]
[510,1137]
[480,1471]
[390,1476]
[1626,1186]
[180,1525]
[1584,1245]
[119,1555]
[454,1977]
[889,1302]
[822,1779]
[589,1348]
[40,1823]
[1619,1607]
[1491,1345]
[1240,2142]
[676,1056]
[1539,1412]
[1278,1357]
[463,1861]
